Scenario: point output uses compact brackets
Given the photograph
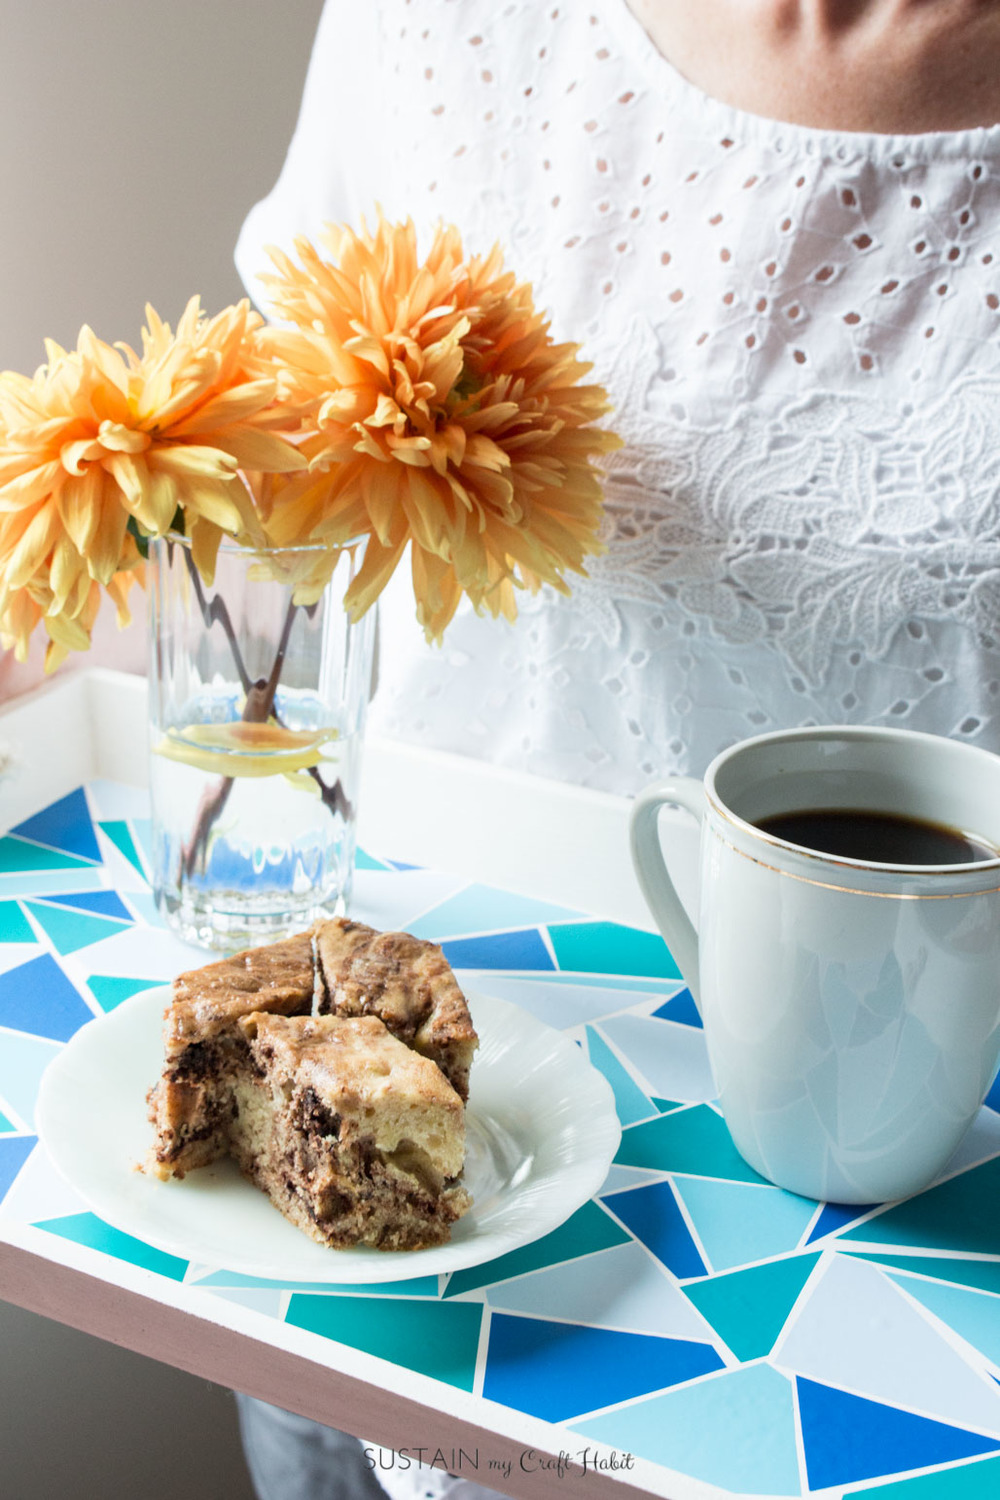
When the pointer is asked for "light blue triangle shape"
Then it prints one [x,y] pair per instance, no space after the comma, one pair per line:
[631,1103]
[483,908]
[559,1005]
[23,1060]
[53,882]
[144,903]
[739,1223]
[735,1430]
[619,1178]
[116,799]
[621,1288]
[974,1316]
[256,1298]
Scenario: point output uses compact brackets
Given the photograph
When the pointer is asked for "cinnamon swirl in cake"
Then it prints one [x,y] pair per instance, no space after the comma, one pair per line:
[354,1136]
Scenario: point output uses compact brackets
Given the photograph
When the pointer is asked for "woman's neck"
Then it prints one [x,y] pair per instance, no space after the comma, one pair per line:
[890,66]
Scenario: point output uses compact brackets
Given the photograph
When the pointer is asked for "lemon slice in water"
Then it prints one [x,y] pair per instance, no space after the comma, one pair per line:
[245,749]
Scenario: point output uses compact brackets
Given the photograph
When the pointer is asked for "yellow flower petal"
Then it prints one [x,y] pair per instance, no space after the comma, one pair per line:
[182,459]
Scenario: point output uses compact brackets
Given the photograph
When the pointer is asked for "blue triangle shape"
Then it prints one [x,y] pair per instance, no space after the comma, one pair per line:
[680,1007]
[38,998]
[560,1370]
[654,1217]
[64,825]
[14,1152]
[993,1097]
[522,949]
[104,903]
[834,1216]
[848,1438]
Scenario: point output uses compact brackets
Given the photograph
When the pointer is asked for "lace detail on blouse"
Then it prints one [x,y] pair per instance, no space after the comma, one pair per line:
[801,334]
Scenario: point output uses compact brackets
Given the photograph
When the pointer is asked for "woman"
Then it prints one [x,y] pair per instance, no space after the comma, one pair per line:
[774,226]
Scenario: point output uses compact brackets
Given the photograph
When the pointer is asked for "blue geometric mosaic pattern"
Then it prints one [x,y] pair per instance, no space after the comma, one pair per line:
[691,1314]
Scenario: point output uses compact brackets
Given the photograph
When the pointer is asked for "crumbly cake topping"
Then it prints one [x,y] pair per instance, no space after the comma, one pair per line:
[361,1074]
[207,1002]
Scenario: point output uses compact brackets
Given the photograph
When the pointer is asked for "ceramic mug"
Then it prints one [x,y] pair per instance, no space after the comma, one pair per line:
[851,1007]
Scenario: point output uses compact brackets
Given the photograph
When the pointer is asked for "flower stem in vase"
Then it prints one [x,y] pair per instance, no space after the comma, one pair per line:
[258,708]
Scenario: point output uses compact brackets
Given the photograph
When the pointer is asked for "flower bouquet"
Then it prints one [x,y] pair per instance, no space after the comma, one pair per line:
[266,481]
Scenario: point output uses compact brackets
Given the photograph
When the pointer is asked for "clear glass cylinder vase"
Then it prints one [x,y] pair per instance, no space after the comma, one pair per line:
[257,714]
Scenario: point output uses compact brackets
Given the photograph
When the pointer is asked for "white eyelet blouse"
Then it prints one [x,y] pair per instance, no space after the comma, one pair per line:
[800,332]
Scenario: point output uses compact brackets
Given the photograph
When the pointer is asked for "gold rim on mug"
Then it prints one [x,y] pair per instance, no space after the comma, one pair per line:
[848,890]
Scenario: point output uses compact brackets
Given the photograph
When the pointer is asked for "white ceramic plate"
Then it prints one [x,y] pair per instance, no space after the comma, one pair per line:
[541,1130]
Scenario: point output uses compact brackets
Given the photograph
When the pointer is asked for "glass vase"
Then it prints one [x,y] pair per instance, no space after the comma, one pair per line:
[257,714]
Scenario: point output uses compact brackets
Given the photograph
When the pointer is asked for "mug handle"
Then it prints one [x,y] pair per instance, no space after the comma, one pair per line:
[654,877]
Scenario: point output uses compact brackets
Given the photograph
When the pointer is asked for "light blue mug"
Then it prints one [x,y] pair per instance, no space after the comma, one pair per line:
[851,1006]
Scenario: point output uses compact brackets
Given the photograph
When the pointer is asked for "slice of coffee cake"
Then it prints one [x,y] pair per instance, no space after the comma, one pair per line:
[356,1138]
[334,1067]
[404,981]
[190,1105]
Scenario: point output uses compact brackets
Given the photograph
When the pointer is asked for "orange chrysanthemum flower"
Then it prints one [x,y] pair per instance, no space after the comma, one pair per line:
[444,419]
[101,436]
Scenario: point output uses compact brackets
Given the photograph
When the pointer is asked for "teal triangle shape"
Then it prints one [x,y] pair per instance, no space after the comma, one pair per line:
[738,1222]
[64,825]
[610,948]
[749,1308]
[69,930]
[14,925]
[418,1286]
[19,857]
[631,1103]
[439,1339]
[975,1481]
[6,1126]
[117,830]
[589,1229]
[688,1140]
[981,1274]
[365,861]
[88,1229]
[109,990]
[961,1215]
[849,1438]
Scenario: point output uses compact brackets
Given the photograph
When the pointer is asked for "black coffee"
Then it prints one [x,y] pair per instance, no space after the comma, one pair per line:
[885,837]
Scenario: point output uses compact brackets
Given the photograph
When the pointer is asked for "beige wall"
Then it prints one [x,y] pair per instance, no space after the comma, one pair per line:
[134,136]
